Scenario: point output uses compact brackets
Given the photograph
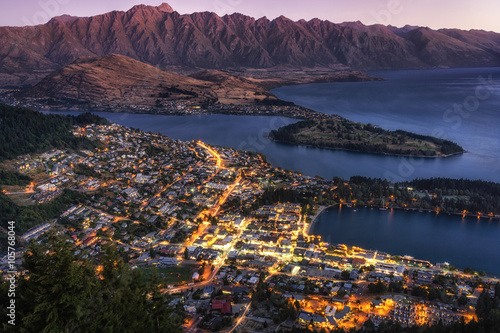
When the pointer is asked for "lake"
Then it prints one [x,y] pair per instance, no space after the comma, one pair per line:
[418,101]
[462,105]
[467,242]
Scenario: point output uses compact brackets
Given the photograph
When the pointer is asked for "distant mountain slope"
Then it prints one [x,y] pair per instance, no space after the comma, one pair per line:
[230,89]
[114,80]
[162,37]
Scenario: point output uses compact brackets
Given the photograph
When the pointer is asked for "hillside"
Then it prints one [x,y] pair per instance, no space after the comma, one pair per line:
[115,81]
[348,135]
[233,89]
[23,131]
[163,38]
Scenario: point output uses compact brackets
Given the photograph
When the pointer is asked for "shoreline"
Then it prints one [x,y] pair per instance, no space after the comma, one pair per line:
[422,210]
[309,113]
[367,152]
[315,217]
[489,275]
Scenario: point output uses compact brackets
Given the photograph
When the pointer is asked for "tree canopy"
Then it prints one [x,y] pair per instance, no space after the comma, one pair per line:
[64,292]
[24,131]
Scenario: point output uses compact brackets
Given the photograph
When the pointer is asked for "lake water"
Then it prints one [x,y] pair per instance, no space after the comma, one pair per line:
[464,243]
[462,105]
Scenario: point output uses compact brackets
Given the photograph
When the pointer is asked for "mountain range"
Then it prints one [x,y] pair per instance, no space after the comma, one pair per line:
[163,38]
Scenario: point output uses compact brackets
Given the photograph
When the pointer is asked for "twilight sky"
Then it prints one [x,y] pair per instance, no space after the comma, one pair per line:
[463,14]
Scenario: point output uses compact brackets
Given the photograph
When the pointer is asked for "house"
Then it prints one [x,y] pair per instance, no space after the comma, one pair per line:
[35,232]
[222,305]
[464,289]
[330,310]
[307,317]
[253,280]
[240,291]
[167,261]
[343,314]
[207,291]
[190,309]
[358,261]
[212,324]
[354,275]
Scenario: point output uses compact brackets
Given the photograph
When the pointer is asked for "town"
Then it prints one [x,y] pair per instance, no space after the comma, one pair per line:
[230,237]
[180,107]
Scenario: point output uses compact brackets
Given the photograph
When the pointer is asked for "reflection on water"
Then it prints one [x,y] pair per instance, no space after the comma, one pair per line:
[464,242]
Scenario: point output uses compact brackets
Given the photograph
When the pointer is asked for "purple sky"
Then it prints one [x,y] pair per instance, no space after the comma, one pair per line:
[463,14]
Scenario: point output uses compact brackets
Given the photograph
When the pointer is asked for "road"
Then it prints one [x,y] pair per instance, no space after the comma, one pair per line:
[22,192]
[214,272]
[247,308]
[226,195]
[213,152]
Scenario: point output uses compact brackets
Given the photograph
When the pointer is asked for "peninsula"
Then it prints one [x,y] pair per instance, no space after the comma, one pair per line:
[120,83]
[366,138]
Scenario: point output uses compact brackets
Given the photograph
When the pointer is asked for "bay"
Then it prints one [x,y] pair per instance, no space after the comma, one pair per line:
[463,242]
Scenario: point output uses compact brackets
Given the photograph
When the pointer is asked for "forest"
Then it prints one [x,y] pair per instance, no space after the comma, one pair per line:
[12,178]
[475,197]
[71,293]
[24,131]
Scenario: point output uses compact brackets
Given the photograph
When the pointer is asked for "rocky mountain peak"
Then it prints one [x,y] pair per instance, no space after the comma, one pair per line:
[159,37]
[165,7]
[64,18]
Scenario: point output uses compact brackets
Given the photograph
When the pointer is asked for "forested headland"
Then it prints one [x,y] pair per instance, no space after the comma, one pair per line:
[469,197]
[345,134]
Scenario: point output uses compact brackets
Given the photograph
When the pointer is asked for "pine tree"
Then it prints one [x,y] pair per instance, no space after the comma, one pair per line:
[64,292]
[54,296]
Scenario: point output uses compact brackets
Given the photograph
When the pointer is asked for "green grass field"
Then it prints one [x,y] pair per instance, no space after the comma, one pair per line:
[171,275]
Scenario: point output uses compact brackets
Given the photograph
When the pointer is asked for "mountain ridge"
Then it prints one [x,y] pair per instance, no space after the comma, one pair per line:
[166,39]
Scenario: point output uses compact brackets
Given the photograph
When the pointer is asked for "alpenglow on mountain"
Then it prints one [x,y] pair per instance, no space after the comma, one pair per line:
[164,38]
